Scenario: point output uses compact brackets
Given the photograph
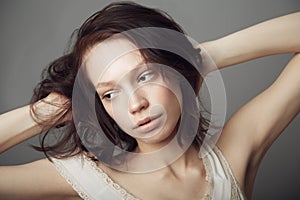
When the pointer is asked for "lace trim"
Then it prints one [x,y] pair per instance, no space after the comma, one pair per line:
[236,191]
[209,179]
[127,196]
[70,180]
[116,187]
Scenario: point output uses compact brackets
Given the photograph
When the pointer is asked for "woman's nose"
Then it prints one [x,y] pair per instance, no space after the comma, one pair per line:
[137,102]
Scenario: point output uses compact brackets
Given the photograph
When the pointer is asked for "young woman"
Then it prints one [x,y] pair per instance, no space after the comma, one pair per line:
[121,89]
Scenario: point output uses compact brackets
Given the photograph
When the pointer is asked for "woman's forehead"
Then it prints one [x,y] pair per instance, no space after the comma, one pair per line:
[121,67]
[111,56]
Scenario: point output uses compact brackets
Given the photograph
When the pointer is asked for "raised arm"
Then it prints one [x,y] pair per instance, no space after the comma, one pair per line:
[21,124]
[11,132]
[275,36]
[251,131]
[39,179]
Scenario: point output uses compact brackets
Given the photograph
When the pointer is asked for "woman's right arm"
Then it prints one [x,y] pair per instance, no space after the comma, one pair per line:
[17,126]
[21,124]
[38,179]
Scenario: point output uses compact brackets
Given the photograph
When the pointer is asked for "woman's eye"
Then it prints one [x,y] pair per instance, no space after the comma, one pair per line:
[146,76]
[109,95]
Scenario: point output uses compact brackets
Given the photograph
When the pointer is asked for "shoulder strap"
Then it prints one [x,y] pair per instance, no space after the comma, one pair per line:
[220,180]
[236,191]
[84,179]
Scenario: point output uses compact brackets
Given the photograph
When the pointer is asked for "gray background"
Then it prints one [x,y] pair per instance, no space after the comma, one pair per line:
[33,33]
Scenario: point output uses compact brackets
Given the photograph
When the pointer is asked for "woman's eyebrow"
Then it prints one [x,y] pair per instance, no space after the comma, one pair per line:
[105,84]
[135,70]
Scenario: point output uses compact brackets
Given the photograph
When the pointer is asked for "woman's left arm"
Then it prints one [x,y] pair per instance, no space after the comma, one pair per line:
[275,36]
[250,132]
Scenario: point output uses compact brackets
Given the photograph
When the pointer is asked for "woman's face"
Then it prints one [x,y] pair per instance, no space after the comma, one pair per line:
[143,102]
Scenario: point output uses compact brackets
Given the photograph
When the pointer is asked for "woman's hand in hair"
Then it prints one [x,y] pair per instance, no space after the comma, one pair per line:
[55,109]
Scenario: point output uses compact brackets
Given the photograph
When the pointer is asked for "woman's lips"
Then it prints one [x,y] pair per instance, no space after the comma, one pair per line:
[148,124]
[144,121]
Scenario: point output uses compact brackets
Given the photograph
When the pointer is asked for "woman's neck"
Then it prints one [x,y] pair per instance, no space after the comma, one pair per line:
[180,167]
[188,160]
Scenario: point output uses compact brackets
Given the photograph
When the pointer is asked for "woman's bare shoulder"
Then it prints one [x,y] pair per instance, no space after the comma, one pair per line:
[35,180]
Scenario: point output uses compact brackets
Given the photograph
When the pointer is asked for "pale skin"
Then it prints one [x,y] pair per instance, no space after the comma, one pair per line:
[277,106]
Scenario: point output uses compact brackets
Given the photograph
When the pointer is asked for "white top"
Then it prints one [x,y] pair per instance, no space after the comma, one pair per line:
[92,183]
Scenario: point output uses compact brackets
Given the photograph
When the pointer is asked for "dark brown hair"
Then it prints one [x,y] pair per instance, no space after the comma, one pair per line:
[60,75]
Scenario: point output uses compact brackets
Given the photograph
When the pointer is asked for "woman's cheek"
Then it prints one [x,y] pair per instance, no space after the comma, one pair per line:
[108,109]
